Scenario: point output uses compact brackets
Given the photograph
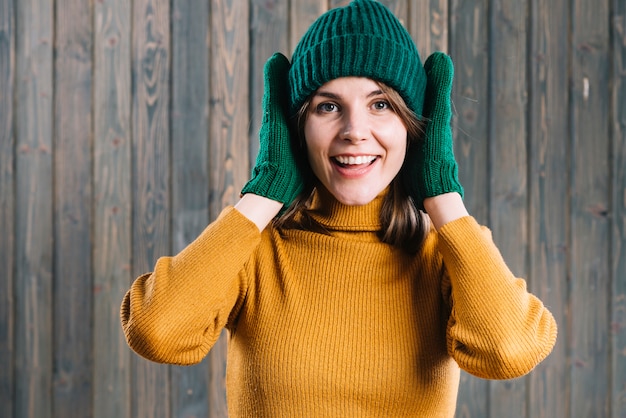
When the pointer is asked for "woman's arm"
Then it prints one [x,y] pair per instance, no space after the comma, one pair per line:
[176,313]
[258,209]
[497,329]
[445,208]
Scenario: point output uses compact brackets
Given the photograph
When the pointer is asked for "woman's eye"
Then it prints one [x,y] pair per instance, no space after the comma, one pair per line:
[327,107]
[382,105]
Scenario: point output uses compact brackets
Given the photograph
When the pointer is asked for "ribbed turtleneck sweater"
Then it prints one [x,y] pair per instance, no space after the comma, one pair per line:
[338,324]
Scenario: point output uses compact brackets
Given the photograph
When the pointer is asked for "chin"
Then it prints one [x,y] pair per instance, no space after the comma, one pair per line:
[352,199]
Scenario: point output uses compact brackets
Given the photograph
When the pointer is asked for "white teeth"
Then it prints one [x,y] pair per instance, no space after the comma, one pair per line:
[361,159]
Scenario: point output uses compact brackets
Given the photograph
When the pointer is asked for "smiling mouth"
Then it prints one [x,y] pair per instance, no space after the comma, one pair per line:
[351,161]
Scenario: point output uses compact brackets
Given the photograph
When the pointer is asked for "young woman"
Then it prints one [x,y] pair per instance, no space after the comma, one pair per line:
[350,275]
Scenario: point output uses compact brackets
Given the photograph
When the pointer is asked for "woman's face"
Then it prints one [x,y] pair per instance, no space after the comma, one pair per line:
[355,142]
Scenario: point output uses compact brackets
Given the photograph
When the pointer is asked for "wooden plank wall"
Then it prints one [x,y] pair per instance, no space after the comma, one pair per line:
[126,126]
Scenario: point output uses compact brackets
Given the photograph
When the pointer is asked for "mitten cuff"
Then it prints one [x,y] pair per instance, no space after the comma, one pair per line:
[442,177]
[268,180]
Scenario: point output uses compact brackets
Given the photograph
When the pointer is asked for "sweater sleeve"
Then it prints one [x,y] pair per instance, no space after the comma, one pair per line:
[497,329]
[176,313]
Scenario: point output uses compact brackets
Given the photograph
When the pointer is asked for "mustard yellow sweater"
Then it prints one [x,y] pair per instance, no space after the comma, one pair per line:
[340,324]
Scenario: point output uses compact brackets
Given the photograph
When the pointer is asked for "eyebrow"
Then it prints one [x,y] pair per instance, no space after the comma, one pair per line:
[334,96]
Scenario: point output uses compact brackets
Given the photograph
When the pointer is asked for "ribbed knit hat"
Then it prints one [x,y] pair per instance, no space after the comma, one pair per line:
[363,39]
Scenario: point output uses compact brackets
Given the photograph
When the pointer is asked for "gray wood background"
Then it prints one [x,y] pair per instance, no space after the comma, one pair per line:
[125,126]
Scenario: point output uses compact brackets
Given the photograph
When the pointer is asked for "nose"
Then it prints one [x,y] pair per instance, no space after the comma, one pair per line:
[355,126]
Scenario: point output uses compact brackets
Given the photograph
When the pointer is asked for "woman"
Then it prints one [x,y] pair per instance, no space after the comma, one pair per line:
[350,275]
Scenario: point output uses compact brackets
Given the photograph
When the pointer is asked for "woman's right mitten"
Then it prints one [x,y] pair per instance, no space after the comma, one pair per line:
[275,174]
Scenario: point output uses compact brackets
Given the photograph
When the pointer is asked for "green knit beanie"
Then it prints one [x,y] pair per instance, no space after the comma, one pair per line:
[363,39]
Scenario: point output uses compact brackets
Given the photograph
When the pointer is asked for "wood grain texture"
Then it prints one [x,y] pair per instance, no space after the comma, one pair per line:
[269,33]
[549,184]
[190,171]
[125,127]
[112,206]
[72,385]
[34,210]
[590,226]
[337,3]
[7,208]
[229,114]
[151,178]
[618,209]
[470,97]
[508,200]
[428,23]
[470,100]
[229,142]
[400,9]
[302,14]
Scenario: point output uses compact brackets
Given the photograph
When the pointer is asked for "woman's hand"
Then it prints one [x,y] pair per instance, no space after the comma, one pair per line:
[276,175]
[432,169]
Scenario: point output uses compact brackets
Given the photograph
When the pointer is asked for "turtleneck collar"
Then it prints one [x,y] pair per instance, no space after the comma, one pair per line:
[336,216]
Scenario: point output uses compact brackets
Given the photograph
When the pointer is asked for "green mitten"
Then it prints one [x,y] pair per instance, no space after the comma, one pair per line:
[432,169]
[275,174]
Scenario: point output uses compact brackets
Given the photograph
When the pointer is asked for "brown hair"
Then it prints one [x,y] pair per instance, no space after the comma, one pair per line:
[402,224]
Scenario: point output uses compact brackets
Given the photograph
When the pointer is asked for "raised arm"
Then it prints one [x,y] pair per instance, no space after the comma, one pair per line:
[176,313]
[497,329]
